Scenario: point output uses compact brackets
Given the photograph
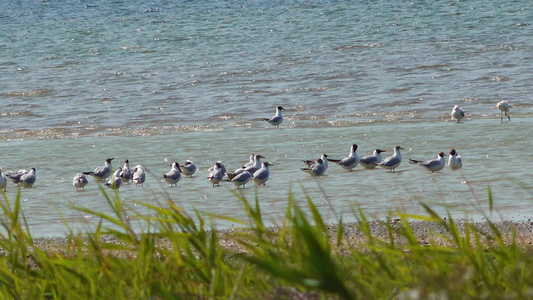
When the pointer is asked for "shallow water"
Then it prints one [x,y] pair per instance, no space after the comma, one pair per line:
[84,80]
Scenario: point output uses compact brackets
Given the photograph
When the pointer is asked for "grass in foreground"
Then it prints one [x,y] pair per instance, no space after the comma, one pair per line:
[176,257]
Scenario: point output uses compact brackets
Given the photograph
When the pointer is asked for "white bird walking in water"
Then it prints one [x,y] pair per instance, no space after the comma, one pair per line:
[455,161]
[504,107]
[126,174]
[260,177]
[216,173]
[139,175]
[316,169]
[101,172]
[432,165]
[457,114]
[369,162]
[277,118]
[115,182]
[349,162]
[80,181]
[173,176]
[392,162]
[188,169]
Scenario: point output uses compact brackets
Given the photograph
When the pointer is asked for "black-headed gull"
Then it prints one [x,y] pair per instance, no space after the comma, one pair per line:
[277,118]
[369,162]
[349,162]
[80,181]
[188,169]
[173,176]
[27,180]
[316,169]
[457,113]
[125,174]
[504,107]
[392,162]
[101,172]
[249,168]
[323,157]
[260,177]
[432,165]
[216,174]
[15,177]
[455,161]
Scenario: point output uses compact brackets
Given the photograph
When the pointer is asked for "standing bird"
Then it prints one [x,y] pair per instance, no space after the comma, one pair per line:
[260,177]
[102,172]
[216,173]
[369,162]
[454,160]
[3,181]
[504,107]
[115,182]
[393,161]
[15,177]
[457,114]
[174,175]
[188,169]
[80,181]
[242,179]
[249,168]
[27,180]
[139,175]
[317,169]
[277,118]
[432,165]
[349,162]
[126,174]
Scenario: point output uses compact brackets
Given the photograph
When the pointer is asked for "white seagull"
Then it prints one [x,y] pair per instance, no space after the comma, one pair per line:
[277,118]
[432,165]
[80,181]
[126,174]
[216,174]
[15,177]
[349,162]
[139,175]
[173,176]
[260,177]
[323,157]
[457,114]
[393,161]
[115,182]
[369,162]
[101,172]
[242,179]
[504,107]
[454,160]
[250,168]
[3,181]
[188,169]
[316,169]
[221,166]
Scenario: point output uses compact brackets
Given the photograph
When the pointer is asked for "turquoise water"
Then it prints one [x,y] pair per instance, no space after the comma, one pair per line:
[170,81]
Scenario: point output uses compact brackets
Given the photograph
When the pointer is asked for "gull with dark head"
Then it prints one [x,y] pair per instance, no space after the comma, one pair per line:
[369,162]
[101,172]
[455,162]
[277,118]
[216,173]
[349,162]
[392,162]
[126,174]
[173,176]
[188,169]
[260,177]
[316,169]
[432,165]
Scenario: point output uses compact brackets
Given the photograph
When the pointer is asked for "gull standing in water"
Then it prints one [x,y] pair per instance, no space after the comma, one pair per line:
[324,163]
[457,114]
[504,107]
[15,177]
[260,177]
[216,173]
[174,175]
[349,162]
[316,169]
[393,161]
[432,165]
[188,169]
[125,175]
[101,172]
[277,118]
[369,162]
[242,179]
[3,181]
[454,160]
[80,181]
[27,180]
[250,168]
[139,175]
[115,182]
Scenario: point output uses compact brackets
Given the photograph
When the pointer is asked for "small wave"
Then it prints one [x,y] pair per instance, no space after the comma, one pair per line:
[363,46]
[425,67]
[38,92]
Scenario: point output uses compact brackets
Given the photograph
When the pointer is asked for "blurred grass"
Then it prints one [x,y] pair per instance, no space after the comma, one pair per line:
[176,257]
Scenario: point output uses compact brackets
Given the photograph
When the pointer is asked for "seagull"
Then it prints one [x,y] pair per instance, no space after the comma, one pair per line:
[3,181]
[324,159]
[350,161]
[188,169]
[126,174]
[260,177]
[15,177]
[432,165]
[250,169]
[316,169]
[174,175]
[115,182]
[220,166]
[454,160]
[277,118]
[393,161]
[457,114]
[504,106]
[251,162]
[216,174]
[139,175]
[368,162]
[242,179]
[27,180]
[101,172]
[80,181]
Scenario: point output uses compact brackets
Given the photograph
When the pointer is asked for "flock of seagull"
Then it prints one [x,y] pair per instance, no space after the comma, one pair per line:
[254,170]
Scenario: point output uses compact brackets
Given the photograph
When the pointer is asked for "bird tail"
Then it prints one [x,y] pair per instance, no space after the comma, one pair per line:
[334,160]
[88,173]
[412,161]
